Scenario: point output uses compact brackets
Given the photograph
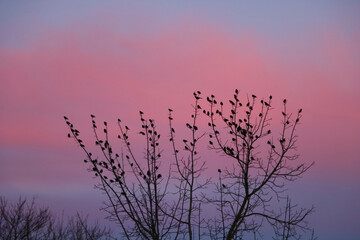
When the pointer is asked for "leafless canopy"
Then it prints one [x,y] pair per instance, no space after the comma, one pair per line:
[24,220]
[261,163]
[150,201]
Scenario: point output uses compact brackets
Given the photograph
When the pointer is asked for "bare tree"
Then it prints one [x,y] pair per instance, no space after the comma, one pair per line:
[25,220]
[135,187]
[261,163]
[140,195]
[188,171]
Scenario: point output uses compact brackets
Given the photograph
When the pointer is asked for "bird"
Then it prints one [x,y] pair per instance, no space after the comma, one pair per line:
[141,112]
[170,110]
[92,116]
[219,170]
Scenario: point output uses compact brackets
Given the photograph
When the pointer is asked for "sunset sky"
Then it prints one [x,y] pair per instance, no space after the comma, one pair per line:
[114,58]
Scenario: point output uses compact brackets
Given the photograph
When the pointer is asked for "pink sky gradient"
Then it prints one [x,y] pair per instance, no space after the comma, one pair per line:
[81,69]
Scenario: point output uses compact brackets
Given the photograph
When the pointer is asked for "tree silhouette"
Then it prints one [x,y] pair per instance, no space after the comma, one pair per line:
[25,220]
[152,201]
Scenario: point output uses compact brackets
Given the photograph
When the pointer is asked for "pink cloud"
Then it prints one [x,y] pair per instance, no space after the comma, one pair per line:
[94,71]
